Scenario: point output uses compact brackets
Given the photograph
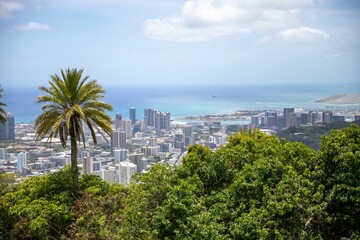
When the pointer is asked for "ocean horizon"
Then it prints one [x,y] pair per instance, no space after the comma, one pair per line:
[194,100]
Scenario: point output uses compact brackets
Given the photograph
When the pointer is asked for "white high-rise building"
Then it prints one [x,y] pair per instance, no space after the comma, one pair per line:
[127,128]
[87,165]
[120,155]
[3,153]
[21,161]
[126,170]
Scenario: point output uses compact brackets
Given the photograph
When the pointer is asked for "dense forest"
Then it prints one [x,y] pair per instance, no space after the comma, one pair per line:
[255,187]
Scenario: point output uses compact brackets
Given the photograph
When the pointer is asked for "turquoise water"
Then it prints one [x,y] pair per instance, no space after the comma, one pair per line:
[191,100]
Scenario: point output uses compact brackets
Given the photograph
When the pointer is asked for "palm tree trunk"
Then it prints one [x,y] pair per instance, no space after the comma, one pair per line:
[74,168]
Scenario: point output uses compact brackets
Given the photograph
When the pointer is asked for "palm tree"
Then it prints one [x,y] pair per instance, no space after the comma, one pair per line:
[2,111]
[71,102]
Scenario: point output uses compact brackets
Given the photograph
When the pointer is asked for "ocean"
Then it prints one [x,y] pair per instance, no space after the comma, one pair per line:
[194,100]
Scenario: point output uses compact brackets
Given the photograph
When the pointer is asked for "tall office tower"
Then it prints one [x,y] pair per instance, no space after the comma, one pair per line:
[126,170]
[149,117]
[313,117]
[87,165]
[118,140]
[120,155]
[3,153]
[188,135]
[127,128]
[326,116]
[7,129]
[291,121]
[153,142]
[270,118]
[305,118]
[158,123]
[118,122]
[142,125]
[21,161]
[133,115]
[142,165]
[287,113]
[280,122]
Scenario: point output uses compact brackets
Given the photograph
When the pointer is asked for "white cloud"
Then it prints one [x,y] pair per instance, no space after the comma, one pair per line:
[32,26]
[264,40]
[9,6]
[201,20]
[303,34]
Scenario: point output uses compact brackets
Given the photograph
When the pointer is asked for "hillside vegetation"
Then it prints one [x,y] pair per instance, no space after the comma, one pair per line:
[311,135]
[255,187]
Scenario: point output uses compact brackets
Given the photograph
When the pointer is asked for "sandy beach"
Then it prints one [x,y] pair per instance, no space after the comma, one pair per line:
[350,98]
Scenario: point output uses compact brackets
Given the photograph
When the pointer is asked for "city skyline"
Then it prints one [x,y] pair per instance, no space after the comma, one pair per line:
[180,42]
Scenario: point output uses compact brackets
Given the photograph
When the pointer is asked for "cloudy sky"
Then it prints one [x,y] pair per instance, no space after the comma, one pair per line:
[138,42]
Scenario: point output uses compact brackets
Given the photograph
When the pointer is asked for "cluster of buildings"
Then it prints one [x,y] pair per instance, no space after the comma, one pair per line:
[136,144]
[290,117]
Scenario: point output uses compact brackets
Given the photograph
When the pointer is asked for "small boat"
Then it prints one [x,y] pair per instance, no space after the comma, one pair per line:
[214,96]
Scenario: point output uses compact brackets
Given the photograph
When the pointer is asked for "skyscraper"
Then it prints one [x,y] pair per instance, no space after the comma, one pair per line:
[118,122]
[21,161]
[87,165]
[188,135]
[133,115]
[126,126]
[7,129]
[118,140]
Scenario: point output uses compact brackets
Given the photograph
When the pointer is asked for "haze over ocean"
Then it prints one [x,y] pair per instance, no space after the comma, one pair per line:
[190,100]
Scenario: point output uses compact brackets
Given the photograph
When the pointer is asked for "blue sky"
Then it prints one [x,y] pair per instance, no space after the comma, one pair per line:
[142,42]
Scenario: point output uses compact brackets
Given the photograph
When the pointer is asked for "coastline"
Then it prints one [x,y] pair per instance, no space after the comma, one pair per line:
[347,98]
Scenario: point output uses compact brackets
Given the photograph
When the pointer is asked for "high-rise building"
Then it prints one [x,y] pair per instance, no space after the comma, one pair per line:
[3,153]
[291,120]
[326,116]
[135,157]
[21,161]
[120,155]
[87,165]
[118,122]
[133,115]
[126,170]
[118,140]
[7,129]
[126,126]
[157,120]
[153,142]
[305,118]
[188,135]
[142,165]
[288,113]
[357,117]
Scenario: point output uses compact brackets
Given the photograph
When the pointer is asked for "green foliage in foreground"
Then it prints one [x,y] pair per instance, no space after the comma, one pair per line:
[256,187]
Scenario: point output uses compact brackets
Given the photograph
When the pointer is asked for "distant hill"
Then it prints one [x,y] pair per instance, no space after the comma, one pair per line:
[311,135]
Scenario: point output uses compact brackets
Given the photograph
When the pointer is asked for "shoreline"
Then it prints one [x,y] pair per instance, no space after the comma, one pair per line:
[347,98]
